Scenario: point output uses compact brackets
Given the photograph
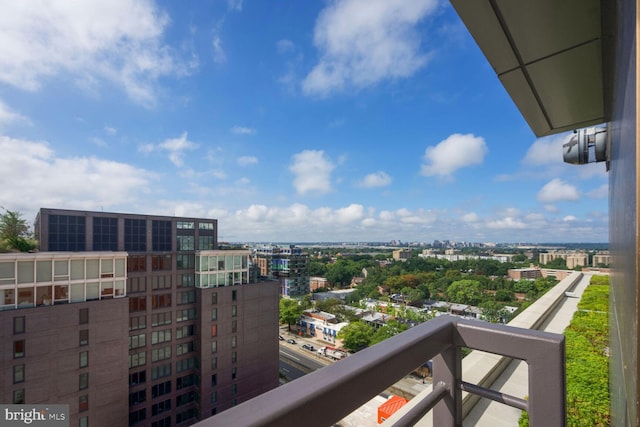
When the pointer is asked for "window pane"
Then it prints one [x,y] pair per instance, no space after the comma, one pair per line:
[43,271]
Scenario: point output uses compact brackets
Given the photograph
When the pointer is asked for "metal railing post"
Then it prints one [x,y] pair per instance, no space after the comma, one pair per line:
[547,390]
[447,368]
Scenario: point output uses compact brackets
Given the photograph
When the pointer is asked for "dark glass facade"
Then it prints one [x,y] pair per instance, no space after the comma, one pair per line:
[67,233]
[135,235]
[161,234]
[105,234]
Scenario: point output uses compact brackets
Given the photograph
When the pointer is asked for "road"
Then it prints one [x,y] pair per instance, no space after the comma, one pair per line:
[296,362]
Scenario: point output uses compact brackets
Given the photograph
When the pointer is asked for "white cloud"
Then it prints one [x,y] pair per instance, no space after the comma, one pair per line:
[242,130]
[557,190]
[377,179]
[600,192]
[455,152]
[284,46]
[7,115]
[175,146]
[247,160]
[569,218]
[99,142]
[470,217]
[312,172]
[546,151]
[118,41]
[506,223]
[362,42]
[110,130]
[36,177]
[219,56]
[234,5]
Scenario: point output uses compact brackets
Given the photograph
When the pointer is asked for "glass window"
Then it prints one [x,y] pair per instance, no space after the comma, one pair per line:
[135,235]
[18,349]
[234,310]
[214,330]
[93,268]
[7,297]
[84,359]
[25,272]
[185,225]
[43,271]
[161,262]
[185,243]
[185,261]
[84,421]
[106,267]
[67,233]
[83,316]
[93,291]
[7,273]
[18,397]
[214,346]
[214,298]
[83,403]
[83,381]
[18,325]
[137,341]
[234,341]
[18,374]
[84,337]
[214,313]
[214,363]
[161,235]
[186,280]
[105,234]
[77,269]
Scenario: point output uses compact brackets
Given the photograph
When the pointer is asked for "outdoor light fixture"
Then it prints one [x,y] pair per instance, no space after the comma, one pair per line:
[586,146]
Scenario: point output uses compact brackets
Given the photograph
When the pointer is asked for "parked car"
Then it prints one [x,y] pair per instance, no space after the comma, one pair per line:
[291,341]
[307,347]
[280,338]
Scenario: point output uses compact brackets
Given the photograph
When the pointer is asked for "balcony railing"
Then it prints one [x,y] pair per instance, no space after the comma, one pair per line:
[324,397]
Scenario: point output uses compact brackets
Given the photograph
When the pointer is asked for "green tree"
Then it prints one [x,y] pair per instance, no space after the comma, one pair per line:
[14,232]
[504,295]
[356,336]
[392,328]
[328,305]
[465,292]
[493,312]
[317,268]
[338,274]
[290,311]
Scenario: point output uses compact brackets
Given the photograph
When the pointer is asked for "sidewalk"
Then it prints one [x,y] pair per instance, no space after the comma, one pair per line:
[514,380]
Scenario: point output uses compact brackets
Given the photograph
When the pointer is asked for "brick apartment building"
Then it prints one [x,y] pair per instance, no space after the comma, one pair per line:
[171,332]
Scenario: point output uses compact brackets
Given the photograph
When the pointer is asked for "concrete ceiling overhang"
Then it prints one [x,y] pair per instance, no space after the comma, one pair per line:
[550,55]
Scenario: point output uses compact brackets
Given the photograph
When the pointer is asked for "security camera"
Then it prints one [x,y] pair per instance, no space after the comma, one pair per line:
[586,146]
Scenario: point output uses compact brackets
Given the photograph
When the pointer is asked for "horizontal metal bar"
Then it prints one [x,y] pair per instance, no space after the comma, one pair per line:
[496,396]
[347,384]
[344,385]
[416,413]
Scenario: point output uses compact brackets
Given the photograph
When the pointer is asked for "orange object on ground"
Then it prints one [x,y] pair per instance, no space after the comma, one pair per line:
[390,407]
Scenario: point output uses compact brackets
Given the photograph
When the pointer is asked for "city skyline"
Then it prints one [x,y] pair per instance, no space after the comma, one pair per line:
[331,121]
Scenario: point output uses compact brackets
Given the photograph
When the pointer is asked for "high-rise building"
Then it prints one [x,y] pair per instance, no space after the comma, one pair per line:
[187,337]
[289,265]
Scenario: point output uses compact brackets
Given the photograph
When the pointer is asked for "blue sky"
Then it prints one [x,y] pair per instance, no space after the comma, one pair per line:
[337,120]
